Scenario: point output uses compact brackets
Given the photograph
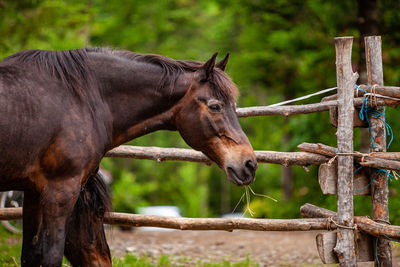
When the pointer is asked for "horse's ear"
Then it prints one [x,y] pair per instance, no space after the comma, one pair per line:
[222,64]
[208,67]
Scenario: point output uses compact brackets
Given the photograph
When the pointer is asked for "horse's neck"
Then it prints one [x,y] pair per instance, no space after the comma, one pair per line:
[130,90]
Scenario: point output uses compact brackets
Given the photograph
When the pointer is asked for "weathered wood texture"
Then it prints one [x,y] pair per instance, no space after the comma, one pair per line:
[325,245]
[327,241]
[322,222]
[379,186]
[162,154]
[217,223]
[327,178]
[383,160]
[290,110]
[10,214]
[139,220]
[345,248]
[364,224]
[380,164]
[330,151]
[389,91]
[379,89]
[318,148]
[357,122]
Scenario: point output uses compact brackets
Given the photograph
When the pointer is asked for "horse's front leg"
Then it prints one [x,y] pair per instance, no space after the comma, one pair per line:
[43,241]
[31,247]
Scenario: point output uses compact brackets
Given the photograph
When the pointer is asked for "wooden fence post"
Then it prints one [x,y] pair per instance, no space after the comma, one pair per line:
[345,248]
[379,185]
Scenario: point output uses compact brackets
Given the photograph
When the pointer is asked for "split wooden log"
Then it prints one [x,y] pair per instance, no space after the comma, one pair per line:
[326,242]
[357,122]
[382,160]
[345,247]
[182,154]
[364,224]
[379,184]
[327,178]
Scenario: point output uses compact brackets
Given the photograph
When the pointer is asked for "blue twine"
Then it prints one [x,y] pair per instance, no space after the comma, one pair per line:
[390,176]
[366,111]
[359,168]
[376,252]
[376,244]
[391,239]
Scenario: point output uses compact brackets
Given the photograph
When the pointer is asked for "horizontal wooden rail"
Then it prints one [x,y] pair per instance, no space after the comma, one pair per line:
[314,154]
[290,110]
[182,154]
[364,224]
[322,222]
[389,91]
[225,224]
[379,160]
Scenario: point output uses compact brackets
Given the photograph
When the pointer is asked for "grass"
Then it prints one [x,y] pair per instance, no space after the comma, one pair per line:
[165,261]
[10,253]
[10,248]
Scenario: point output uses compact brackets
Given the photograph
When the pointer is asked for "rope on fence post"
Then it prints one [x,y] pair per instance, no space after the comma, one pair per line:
[379,186]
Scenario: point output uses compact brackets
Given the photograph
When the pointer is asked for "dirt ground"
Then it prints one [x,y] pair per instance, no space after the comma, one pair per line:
[188,247]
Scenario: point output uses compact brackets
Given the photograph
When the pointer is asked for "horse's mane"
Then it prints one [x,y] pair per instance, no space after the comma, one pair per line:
[70,67]
[223,86]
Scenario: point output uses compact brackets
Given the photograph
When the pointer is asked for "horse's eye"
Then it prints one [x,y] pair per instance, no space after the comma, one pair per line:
[216,108]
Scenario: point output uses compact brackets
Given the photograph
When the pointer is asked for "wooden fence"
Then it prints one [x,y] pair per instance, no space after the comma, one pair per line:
[350,239]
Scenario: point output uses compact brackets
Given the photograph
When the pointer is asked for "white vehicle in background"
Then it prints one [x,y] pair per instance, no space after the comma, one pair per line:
[166,211]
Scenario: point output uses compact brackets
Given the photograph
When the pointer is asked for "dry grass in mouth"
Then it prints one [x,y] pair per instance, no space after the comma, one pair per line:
[247,195]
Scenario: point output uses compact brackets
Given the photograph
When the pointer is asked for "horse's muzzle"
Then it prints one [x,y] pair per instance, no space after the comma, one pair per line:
[242,174]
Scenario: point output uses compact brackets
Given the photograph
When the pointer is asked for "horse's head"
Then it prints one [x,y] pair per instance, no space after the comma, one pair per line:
[207,121]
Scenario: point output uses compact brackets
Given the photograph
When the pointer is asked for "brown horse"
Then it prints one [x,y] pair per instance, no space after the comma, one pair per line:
[63,110]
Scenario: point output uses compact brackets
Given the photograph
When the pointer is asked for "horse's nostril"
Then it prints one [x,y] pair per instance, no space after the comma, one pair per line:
[251,165]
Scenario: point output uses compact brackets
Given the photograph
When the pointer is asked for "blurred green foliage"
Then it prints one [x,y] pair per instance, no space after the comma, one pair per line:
[279,49]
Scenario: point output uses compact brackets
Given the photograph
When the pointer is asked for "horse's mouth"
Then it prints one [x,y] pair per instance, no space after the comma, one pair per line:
[238,180]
